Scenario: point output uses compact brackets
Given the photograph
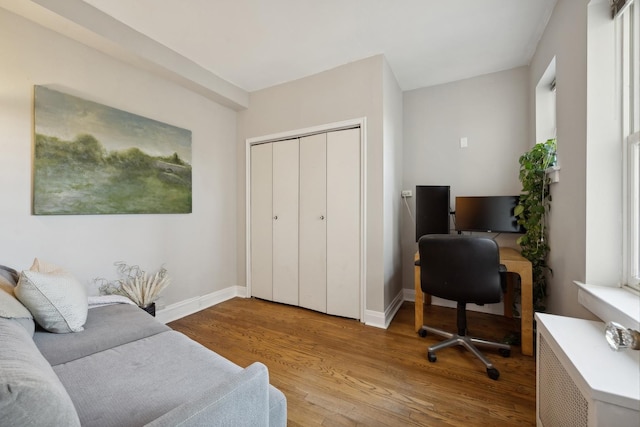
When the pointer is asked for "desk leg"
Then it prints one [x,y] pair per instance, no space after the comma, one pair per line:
[508,298]
[419,299]
[526,329]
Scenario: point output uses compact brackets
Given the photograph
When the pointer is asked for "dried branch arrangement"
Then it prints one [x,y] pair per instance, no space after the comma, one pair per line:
[136,284]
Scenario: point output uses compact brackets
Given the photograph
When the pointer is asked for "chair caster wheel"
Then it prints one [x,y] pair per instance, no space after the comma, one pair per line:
[422,333]
[432,357]
[493,373]
[504,353]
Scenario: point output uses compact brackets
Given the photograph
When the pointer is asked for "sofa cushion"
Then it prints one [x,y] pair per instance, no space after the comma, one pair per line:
[11,308]
[159,373]
[30,392]
[242,400]
[56,299]
[277,407]
[106,327]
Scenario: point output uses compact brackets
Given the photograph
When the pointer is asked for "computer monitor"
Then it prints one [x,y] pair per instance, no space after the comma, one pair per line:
[432,210]
[492,214]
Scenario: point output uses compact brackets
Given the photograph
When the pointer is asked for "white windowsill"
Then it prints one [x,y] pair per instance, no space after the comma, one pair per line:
[611,304]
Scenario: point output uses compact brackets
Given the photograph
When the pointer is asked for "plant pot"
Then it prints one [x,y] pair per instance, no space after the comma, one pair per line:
[151,309]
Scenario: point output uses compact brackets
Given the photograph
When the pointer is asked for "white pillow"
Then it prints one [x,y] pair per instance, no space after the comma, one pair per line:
[56,299]
[11,308]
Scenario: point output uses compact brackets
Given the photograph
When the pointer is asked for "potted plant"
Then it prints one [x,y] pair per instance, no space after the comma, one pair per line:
[534,204]
[136,284]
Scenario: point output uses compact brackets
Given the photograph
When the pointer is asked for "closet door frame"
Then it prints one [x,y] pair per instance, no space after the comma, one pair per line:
[347,124]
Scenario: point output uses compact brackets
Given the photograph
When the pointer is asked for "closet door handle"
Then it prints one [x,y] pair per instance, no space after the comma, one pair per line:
[321,216]
[275,217]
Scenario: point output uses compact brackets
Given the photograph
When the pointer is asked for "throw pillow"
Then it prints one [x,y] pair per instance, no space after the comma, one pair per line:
[11,308]
[8,274]
[30,392]
[56,299]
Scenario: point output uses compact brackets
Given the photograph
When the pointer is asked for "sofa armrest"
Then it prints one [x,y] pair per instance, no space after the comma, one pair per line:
[241,401]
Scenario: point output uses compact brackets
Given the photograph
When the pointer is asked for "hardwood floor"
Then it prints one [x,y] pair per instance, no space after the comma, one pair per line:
[339,372]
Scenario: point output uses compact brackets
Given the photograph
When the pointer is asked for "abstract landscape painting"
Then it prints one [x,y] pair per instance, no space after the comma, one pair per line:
[93,159]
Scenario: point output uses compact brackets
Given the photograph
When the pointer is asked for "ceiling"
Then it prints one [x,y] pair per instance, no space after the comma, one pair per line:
[255,44]
[225,49]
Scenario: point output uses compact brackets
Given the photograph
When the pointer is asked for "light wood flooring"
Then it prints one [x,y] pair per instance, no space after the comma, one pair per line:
[339,372]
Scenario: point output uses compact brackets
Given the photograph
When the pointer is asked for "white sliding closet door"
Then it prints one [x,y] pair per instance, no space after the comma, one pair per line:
[343,223]
[313,223]
[261,221]
[285,221]
[305,222]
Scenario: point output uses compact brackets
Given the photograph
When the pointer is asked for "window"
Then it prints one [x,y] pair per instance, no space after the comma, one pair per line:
[630,35]
[546,104]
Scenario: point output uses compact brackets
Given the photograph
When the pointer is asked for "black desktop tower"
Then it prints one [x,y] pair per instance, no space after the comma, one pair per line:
[432,210]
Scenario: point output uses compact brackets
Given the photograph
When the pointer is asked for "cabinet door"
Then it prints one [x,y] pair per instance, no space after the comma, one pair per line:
[285,221]
[343,223]
[261,222]
[313,230]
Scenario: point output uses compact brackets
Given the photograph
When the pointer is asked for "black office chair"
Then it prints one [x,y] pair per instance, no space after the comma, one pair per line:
[464,269]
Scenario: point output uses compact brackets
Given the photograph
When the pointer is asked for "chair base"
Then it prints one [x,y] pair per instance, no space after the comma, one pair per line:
[467,342]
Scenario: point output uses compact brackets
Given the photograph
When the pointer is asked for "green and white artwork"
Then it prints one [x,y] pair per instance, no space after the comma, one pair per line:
[93,159]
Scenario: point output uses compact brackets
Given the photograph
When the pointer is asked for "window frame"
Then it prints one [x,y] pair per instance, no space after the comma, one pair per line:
[633,202]
[630,59]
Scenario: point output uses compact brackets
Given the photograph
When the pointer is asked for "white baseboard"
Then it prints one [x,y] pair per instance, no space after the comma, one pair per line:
[383,320]
[193,305]
[498,308]
[409,294]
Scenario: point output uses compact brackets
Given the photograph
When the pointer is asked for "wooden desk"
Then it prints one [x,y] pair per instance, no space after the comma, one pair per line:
[514,262]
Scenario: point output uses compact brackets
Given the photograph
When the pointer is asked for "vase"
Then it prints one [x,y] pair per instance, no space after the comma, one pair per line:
[151,309]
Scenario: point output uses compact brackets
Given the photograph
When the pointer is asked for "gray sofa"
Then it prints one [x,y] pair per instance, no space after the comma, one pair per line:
[127,369]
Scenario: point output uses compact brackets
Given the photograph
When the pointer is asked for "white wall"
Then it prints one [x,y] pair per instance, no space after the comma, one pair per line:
[392,142]
[603,261]
[198,249]
[351,91]
[565,38]
[492,111]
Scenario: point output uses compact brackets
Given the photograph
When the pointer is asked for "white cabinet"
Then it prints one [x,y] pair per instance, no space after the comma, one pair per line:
[307,193]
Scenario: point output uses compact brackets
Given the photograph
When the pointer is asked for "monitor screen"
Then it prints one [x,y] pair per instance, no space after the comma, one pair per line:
[492,214]
[432,210]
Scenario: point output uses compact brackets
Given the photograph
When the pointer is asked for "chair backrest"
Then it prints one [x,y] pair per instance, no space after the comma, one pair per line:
[460,268]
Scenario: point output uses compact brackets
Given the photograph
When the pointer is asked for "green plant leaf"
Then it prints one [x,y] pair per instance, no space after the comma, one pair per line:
[531,213]
[518,210]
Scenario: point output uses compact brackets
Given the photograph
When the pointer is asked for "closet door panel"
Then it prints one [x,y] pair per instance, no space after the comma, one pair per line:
[261,222]
[343,223]
[313,230]
[285,221]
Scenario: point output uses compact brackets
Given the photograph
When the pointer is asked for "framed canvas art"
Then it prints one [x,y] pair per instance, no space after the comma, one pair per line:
[93,159]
